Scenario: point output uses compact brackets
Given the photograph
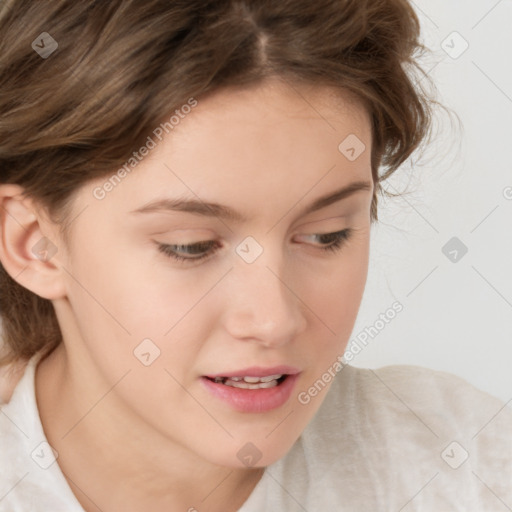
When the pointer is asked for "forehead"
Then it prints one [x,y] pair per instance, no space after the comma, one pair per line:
[244,146]
[276,108]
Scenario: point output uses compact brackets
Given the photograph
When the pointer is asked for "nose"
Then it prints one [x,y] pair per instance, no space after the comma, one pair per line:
[263,307]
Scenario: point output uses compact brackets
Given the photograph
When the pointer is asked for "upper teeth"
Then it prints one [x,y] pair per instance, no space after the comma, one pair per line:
[248,382]
[258,379]
[249,379]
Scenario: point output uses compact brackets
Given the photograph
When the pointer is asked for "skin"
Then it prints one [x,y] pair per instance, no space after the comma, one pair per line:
[133,437]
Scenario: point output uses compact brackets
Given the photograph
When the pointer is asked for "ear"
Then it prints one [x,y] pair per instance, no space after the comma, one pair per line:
[29,249]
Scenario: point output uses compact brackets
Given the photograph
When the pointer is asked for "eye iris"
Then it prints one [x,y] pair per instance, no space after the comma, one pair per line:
[334,238]
[193,249]
[334,241]
[329,238]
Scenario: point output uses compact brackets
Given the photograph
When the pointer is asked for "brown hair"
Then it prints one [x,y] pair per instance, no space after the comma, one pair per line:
[123,64]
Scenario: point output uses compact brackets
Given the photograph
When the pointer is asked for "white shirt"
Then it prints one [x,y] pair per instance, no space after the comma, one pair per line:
[400,438]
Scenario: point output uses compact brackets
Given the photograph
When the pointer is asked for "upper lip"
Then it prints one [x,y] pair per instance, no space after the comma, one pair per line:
[257,371]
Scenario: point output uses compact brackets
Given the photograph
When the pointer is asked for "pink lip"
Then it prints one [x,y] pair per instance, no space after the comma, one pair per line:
[258,371]
[253,400]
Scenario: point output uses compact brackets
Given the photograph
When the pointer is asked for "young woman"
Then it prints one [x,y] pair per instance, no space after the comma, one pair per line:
[187,192]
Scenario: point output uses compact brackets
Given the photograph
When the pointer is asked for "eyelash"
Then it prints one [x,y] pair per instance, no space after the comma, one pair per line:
[208,248]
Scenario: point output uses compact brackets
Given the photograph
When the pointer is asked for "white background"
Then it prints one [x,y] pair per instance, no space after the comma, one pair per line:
[457,317]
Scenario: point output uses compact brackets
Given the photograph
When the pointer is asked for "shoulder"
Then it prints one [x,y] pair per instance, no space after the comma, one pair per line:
[421,385]
[444,403]
[386,431]
[10,374]
[30,475]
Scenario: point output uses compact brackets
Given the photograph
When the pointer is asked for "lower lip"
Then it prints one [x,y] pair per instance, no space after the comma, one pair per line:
[253,400]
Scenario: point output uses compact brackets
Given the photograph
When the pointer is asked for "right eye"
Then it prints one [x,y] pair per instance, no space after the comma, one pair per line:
[190,252]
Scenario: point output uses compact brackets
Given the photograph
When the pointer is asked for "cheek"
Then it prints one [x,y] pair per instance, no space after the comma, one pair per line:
[334,298]
[336,293]
[128,299]
[134,289]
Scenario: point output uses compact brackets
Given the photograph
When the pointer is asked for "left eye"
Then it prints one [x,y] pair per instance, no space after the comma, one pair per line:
[330,241]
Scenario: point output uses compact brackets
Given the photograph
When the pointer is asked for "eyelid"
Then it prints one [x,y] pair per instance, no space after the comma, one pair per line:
[323,221]
[341,233]
[190,234]
[170,250]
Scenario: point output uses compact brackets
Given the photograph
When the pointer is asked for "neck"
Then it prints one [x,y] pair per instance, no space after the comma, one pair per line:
[112,460]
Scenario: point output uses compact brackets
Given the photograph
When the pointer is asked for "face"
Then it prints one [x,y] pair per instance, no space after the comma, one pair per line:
[227,252]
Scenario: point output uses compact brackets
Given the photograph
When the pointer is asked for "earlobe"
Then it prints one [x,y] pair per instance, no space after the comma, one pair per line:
[29,249]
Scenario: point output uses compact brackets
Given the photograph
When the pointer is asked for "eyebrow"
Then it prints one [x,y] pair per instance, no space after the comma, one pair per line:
[198,207]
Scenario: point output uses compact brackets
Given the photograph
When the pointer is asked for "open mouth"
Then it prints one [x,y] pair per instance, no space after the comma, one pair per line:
[253,390]
[249,382]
